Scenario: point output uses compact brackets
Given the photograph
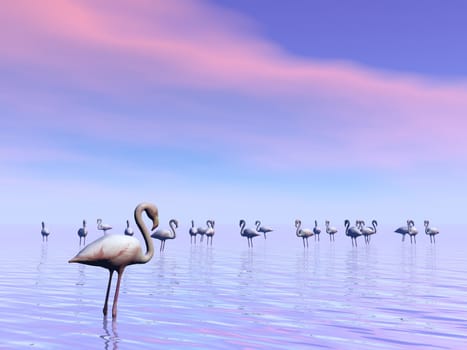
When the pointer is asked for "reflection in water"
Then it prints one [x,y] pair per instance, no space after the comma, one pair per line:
[110,337]
[42,264]
[43,258]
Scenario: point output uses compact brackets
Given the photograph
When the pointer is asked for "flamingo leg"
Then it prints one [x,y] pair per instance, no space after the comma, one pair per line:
[104,310]
[117,290]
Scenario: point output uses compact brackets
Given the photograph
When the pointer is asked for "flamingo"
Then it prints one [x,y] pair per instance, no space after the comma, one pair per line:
[45,232]
[115,252]
[316,230]
[249,233]
[403,230]
[193,231]
[432,231]
[262,229]
[210,231]
[353,232]
[103,227]
[330,230]
[302,232]
[128,230]
[202,231]
[82,233]
[412,231]
[368,230]
[163,234]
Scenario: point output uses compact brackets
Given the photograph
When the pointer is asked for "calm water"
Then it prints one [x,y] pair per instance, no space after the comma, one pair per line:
[387,295]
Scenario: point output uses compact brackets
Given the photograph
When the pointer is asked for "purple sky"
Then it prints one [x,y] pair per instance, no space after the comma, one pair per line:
[233,109]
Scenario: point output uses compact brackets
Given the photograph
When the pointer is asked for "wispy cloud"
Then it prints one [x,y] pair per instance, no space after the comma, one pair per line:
[337,112]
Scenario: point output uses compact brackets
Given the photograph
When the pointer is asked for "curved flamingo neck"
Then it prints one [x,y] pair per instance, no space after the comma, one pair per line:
[242,226]
[298,224]
[173,225]
[347,225]
[149,209]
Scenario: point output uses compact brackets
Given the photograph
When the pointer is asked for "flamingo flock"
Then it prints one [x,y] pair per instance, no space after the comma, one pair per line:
[115,252]
[353,232]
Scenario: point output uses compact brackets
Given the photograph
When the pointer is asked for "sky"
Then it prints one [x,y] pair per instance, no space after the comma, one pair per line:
[232,109]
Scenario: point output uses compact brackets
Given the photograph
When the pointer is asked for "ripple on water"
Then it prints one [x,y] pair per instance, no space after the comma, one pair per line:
[329,296]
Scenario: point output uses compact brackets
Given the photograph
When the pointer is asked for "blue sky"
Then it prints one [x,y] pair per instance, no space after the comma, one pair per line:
[233,109]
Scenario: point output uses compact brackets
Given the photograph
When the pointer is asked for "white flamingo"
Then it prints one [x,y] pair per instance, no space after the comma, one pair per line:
[262,229]
[210,231]
[413,232]
[316,230]
[353,232]
[367,231]
[193,231]
[128,230]
[304,233]
[115,252]
[164,234]
[330,230]
[432,231]
[82,233]
[103,227]
[202,231]
[249,233]
[45,232]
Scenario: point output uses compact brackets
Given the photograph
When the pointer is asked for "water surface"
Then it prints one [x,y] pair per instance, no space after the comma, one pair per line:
[278,295]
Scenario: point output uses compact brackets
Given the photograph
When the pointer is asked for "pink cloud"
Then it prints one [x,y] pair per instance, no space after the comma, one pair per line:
[123,48]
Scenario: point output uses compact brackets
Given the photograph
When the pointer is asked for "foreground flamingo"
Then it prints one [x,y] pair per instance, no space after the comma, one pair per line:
[115,252]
